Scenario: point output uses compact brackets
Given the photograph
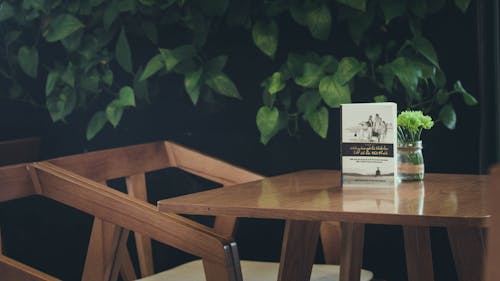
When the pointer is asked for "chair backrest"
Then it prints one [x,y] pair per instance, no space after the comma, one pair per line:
[492,272]
[218,252]
[131,163]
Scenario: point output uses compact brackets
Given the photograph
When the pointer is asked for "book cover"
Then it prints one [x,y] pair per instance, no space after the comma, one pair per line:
[368,145]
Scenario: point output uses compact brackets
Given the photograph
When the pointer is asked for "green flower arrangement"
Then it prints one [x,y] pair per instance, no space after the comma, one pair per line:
[410,125]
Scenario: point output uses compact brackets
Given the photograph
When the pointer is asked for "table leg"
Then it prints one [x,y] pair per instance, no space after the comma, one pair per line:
[418,253]
[351,258]
[468,248]
[298,251]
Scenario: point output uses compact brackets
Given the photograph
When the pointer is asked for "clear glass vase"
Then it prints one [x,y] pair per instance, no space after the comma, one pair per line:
[410,161]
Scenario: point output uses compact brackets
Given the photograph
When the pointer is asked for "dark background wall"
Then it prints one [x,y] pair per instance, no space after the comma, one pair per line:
[54,237]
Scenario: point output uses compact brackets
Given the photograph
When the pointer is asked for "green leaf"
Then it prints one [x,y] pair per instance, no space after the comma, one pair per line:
[72,41]
[392,9]
[123,53]
[359,24]
[177,55]
[68,75]
[295,64]
[214,7]
[114,112]
[468,98]
[380,98]
[111,13]
[440,79]
[90,81]
[318,120]
[221,84]
[297,12]
[442,97]
[6,11]
[61,27]
[51,81]
[215,65]
[141,88]
[308,102]
[463,5]
[319,21]
[27,58]
[356,4]
[126,96]
[61,104]
[150,31]
[329,64]
[267,122]
[154,65]
[448,116]
[275,83]
[348,68]
[96,124]
[192,85]
[268,99]
[333,93]
[311,76]
[387,77]
[265,37]
[407,73]
[425,48]
[107,77]
[373,53]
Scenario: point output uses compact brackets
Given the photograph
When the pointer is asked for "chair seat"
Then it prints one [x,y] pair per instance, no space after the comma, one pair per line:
[252,271]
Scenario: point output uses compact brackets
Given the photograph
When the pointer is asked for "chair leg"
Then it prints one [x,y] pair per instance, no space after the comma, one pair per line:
[351,259]
[106,252]
[136,187]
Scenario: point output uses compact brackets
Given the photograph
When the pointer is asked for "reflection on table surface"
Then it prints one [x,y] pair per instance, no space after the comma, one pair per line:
[316,194]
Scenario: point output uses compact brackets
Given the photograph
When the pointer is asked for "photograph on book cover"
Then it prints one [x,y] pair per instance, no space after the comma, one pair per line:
[368,143]
[368,125]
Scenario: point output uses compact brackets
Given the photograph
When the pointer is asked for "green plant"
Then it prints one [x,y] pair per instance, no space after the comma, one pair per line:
[76,56]
[405,70]
[411,124]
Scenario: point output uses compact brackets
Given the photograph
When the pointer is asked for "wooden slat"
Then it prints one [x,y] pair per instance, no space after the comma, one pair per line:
[418,253]
[330,234]
[118,208]
[117,162]
[136,188]
[208,167]
[94,268]
[468,248]
[14,270]
[127,271]
[299,248]
[492,271]
[15,182]
[352,251]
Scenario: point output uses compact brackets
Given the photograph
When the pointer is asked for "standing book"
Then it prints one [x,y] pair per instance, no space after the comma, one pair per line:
[368,146]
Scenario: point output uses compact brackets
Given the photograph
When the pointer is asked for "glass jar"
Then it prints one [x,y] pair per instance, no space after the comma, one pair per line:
[410,161]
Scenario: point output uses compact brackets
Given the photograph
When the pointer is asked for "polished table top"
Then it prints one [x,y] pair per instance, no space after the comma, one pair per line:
[440,200]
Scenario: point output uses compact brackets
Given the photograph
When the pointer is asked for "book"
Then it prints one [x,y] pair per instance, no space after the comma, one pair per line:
[368,144]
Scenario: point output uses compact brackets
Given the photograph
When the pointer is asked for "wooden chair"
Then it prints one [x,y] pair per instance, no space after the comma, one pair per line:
[492,272]
[133,162]
[109,206]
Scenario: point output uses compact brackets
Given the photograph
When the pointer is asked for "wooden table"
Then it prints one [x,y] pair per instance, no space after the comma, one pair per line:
[303,199]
